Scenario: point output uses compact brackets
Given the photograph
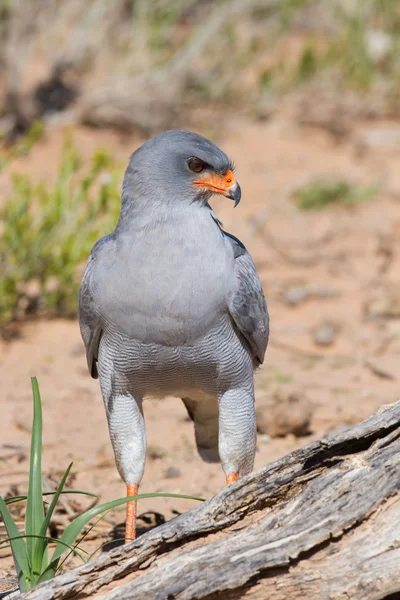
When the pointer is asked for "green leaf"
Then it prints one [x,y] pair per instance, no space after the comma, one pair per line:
[79,542]
[13,499]
[34,508]
[19,549]
[48,539]
[41,544]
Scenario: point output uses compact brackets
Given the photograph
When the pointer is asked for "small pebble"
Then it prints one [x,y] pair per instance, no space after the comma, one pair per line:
[324,335]
[296,295]
[172,473]
[154,452]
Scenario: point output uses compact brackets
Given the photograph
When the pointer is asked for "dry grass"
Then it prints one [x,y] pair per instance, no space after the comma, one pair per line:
[147,65]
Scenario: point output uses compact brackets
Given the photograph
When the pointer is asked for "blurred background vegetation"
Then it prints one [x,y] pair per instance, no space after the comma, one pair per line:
[140,66]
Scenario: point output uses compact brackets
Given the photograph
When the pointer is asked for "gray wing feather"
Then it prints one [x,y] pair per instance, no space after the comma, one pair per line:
[247,306]
[89,317]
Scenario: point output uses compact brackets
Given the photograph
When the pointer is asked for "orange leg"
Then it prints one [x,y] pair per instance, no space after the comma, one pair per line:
[231,478]
[131,509]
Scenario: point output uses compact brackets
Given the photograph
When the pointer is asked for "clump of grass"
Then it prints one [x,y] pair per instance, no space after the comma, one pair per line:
[320,194]
[23,147]
[356,55]
[49,230]
[34,134]
[282,377]
[31,550]
[308,63]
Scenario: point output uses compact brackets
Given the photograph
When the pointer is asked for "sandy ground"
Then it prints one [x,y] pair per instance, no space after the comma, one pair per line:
[340,265]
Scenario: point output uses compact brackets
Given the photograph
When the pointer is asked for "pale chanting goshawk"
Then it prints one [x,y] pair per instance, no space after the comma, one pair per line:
[171,304]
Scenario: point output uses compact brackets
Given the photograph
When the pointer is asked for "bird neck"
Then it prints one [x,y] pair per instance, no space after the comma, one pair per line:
[156,211]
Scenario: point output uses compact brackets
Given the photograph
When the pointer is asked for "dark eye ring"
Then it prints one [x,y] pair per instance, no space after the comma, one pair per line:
[196,165]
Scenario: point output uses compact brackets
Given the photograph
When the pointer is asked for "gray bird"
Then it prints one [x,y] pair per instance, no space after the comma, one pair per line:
[171,304]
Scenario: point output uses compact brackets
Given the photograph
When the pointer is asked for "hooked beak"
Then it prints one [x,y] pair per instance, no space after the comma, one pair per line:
[234,193]
[226,185]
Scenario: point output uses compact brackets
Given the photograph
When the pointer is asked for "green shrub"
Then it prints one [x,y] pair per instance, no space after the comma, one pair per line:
[49,230]
[23,147]
[320,194]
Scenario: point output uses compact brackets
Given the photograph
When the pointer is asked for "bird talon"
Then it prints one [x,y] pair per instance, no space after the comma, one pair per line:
[231,478]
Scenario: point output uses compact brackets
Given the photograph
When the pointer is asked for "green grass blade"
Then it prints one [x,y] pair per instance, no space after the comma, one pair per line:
[48,572]
[54,501]
[49,539]
[41,544]
[78,543]
[34,508]
[13,499]
[83,492]
[19,549]
[72,531]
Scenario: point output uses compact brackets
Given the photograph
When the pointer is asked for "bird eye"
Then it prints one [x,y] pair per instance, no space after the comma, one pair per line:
[196,165]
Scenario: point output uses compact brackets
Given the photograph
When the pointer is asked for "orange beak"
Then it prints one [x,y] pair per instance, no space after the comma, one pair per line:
[221,184]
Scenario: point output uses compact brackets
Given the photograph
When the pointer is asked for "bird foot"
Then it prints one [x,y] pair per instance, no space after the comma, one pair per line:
[231,478]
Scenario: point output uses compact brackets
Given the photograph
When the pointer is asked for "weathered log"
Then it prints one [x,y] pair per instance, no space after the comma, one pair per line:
[321,523]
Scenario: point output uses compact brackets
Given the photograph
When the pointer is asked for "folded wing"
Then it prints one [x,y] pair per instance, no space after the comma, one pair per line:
[89,316]
[247,306]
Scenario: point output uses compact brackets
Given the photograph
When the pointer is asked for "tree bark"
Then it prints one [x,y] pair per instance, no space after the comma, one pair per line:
[321,523]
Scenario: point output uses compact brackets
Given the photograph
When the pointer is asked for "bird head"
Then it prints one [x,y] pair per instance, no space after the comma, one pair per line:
[179,166]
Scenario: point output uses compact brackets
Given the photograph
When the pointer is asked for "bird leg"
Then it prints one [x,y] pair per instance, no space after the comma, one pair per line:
[237,432]
[128,437]
[131,511]
[231,478]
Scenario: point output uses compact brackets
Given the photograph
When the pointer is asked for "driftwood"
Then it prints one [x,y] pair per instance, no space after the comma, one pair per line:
[321,523]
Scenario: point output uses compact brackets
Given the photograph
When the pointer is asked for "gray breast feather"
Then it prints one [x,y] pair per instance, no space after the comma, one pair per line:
[247,305]
[89,318]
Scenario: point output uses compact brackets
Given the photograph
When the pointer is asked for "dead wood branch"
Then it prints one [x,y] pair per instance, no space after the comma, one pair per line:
[322,522]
